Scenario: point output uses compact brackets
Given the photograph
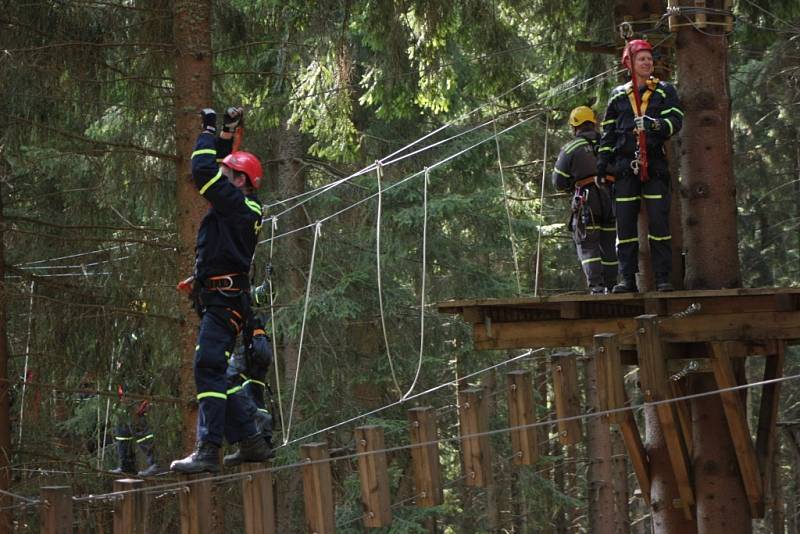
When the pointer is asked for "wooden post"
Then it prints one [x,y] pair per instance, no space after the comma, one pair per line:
[700,18]
[427,471]
[475,450]
[611,386]
[317,488]
[56,509]
[259,506]
[565,387]
[195,504]
[654,380]
[130,512]
[374,475]
[728,5]
[736,415]
[521,418]
[766,437]
[636,452]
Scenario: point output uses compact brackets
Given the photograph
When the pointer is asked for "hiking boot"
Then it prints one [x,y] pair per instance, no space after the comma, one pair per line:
[663,283]
[628,285]
[253,449]
[597,290]
[125,469]
[205,459]
[151,471]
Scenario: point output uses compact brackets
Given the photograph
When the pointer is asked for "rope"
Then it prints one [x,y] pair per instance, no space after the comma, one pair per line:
[455,439]
[379,175]
[422,281]
[274,225]
[317,232]
[508,210]
[541,211]
[25,367]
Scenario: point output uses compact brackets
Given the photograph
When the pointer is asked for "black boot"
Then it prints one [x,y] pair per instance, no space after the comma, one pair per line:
[148,447]
[127,458]
[205,459]
[253,449]
[628,285]
[663,283]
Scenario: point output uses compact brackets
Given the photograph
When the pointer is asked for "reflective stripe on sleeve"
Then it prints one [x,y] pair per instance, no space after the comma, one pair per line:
[573,146]
[609,121]
[202,151]
[627,199]
[671,129]
[652,197]
[234,390]
[670,110]
[254,381]
[253,205]
[263,410]
[212,394]
[211,182]
[123,438]
[606,149]
[562,173]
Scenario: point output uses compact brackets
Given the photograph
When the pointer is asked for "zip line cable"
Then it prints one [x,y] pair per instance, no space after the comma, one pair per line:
[379,175]
[456,439]
[541,211]
[317,231]
[274,225]
[422,281]
[25,367]
[508,209]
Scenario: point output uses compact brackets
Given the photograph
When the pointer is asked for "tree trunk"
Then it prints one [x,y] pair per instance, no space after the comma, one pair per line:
[492,487]
[722,505]
[193,68]
[545,520]
[712,261]
[620,483]
[777,507]
[708,190]
[666,517]
[600,490]
[5,388]
[291,260]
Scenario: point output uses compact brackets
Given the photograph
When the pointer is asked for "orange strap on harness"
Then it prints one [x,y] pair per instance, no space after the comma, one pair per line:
[590,180]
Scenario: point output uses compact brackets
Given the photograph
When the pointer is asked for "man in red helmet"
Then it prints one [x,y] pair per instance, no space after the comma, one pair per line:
[226,243]
[657,113]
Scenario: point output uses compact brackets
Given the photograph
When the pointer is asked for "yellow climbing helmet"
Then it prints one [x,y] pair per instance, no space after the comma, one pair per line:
[580,115]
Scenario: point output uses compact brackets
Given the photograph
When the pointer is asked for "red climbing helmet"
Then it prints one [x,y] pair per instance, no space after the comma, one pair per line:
[247,163]
[632,48]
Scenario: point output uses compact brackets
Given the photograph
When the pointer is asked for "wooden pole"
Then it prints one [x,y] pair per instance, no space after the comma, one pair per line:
[259,505]
[318,488]
[195,505]
[521,418]
[374,475]
[610,383]
[475,450]
[427,470]
[130,512]
[56,509]
[565,387]
[600,490]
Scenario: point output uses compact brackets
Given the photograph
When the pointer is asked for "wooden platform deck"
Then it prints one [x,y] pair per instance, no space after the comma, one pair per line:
[750,315]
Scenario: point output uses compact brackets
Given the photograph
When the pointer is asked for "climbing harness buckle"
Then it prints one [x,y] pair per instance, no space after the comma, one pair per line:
[635,164]
[626,31]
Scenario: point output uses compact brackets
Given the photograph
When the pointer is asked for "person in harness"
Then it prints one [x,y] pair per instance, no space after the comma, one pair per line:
[636,126]
[132,431]
[592,220]
[247,377]
[226,243]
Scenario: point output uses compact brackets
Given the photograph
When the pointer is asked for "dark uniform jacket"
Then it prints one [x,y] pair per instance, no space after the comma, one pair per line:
[576,161]
[618,139]
[227,238]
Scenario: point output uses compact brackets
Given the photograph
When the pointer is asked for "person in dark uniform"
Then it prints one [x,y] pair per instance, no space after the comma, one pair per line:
[132,431]
[592,220]
[226,243]
[659,118]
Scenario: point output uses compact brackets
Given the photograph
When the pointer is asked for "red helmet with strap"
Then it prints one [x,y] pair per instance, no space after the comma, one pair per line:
[248,164]
[632,48]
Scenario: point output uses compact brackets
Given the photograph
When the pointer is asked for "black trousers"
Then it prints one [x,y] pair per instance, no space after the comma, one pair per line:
[594,232]
[629,192]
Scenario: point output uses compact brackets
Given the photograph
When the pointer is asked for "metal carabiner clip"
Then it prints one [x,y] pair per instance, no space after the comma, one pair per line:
[635,165]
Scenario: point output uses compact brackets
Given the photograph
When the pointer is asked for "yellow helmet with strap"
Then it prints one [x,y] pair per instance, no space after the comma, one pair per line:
[580,115]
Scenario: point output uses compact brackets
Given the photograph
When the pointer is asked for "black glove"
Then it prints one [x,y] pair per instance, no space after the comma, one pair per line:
[234,117]
[648,124]
[209,117]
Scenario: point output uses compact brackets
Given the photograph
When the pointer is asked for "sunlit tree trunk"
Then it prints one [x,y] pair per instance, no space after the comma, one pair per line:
[193,67]
[600,490]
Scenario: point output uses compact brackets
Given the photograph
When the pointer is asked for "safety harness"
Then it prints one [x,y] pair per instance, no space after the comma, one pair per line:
[639,107]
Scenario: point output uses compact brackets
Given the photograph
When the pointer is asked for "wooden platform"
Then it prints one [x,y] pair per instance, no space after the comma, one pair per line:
[686,317]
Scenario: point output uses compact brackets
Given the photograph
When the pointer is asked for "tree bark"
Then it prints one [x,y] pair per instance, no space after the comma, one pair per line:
[777,507]
[5,388]
[666,517]
[708,190]
[193,91]
[600,489]
[492,487]
[722,505]
[620,483]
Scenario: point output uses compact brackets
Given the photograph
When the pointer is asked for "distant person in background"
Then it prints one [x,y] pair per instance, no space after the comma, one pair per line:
[592,220]
[132,431]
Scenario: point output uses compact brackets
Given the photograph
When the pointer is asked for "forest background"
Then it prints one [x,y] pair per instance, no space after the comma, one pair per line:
[90,220]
